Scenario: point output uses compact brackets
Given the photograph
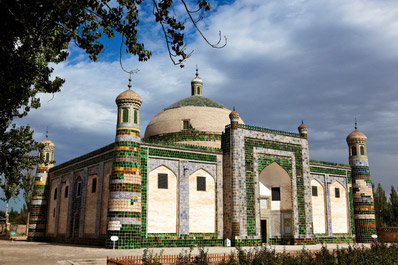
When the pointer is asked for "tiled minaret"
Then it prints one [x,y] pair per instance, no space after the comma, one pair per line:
[364,212]
[124,210]
[38,212]
[236,191]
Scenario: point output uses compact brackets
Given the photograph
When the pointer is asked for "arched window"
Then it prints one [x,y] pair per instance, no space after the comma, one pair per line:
[198,90]
[354,150]
[47,157]
[362,149]
[135,116]
[193,90]
[125,115]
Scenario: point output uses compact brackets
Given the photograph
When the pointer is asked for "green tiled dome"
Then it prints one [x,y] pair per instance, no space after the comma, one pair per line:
[196,101]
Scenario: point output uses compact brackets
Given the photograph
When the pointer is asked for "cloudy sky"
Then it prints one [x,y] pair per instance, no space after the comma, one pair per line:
[321,61]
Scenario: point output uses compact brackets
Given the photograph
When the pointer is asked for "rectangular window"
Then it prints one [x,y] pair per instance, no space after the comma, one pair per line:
[276,194]
[314,191]
[94,185]
[135,116]
[185,124]
[201,183]
[337,192]
[66,191]
[125,115]
[55,194]
[54,212]
[79,189]
[162,181]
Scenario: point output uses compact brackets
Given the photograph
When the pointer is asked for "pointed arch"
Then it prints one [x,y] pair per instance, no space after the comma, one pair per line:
[273,179]
[162,201]
[163,167]
[203,171]
[202,202]
[318,207]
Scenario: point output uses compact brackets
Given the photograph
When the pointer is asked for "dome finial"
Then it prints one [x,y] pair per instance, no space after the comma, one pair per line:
[197,71]
[233,108]
[129,85]
[47,133]
[356,124]
[302,121]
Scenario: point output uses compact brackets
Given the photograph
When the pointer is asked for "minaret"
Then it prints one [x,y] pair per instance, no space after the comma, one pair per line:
[196,85]
[124,209]
[38,211]
[303,130]
[234,184]
[364,212]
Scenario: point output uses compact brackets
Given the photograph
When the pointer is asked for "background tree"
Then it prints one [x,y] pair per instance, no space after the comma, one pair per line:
[27,186]
[382,208]
[394,207]
[16,147]
[38,32]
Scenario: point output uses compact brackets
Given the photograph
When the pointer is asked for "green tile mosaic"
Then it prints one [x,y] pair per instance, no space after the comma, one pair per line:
[185,135]
[250,127]
[182,155]
[196,101]
[297,150]
[328,170]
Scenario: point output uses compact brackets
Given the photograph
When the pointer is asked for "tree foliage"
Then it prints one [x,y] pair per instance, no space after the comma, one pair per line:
[382,209]
[36,33]
[394,207]
[386,210]
[17,154]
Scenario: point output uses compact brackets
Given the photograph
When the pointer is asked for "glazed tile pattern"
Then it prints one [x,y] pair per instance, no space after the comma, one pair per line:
[362,193]
[262,158]
[244,171]
[182,164]
[38,212]
[40,196]
[326,174]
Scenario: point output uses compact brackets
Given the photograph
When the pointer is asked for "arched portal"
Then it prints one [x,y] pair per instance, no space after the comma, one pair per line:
[276,205]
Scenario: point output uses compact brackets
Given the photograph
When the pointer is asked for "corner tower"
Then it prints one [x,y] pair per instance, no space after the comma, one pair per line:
[364,212]
[38,210]
[124,209]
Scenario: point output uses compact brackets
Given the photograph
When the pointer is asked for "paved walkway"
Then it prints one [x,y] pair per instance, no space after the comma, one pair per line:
[35,253]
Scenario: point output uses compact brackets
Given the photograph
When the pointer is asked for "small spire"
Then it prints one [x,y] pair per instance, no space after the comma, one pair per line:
[302,121]
[47,133]
[356,124]
[233,108]
[197,71]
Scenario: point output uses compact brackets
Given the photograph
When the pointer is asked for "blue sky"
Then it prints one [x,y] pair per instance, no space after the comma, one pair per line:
[324,62]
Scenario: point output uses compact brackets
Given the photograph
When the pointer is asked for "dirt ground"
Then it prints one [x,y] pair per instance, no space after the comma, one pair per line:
[35,253]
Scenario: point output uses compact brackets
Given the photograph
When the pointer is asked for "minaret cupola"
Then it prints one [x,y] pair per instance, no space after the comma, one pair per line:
[303,130]
[196,85]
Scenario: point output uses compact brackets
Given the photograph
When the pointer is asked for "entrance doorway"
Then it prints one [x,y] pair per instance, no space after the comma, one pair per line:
[264,231]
